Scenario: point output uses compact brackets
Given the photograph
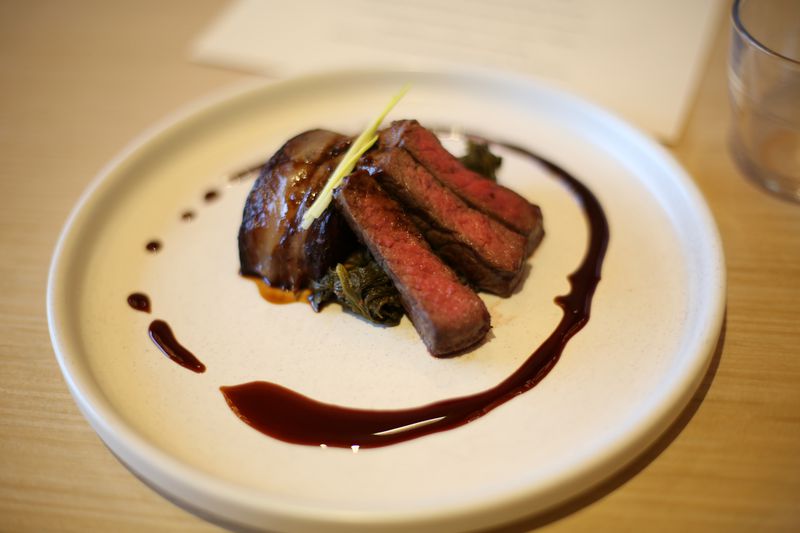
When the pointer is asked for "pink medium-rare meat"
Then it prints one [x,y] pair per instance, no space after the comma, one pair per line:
[487,253]
[272,245]
[448,315]
[497,201]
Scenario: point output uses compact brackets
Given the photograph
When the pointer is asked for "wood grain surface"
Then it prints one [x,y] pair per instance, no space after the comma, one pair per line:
[82,78]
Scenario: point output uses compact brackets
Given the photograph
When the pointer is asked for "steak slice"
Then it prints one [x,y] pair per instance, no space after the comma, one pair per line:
[448,315]
[500,203]
[487,253]
[272,245]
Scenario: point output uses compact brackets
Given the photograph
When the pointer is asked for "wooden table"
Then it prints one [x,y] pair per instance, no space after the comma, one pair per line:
[81,78]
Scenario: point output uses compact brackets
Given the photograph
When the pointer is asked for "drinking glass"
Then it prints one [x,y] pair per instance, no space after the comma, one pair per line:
[764,85]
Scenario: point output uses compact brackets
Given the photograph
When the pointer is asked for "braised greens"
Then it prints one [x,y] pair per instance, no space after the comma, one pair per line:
[479,159]
[362,287]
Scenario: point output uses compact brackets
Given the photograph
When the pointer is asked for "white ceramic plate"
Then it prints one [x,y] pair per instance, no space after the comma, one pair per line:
[656,317]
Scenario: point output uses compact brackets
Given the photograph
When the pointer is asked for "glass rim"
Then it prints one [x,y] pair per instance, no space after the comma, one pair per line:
[739,26]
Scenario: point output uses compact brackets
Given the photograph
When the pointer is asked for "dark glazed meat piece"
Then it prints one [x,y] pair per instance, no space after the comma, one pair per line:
[448,315]
[497,201]
[487,253]
[272,244]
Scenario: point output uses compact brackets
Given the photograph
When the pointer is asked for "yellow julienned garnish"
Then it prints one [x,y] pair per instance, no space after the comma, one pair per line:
[362,143]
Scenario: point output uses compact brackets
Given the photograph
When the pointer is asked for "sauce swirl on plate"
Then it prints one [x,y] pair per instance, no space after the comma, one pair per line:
[292,417]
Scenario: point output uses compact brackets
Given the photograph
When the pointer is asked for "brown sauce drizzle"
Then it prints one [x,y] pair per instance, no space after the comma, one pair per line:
[139,301]
[159,331]
[289,416]
[278,296]
[162,336]
[242,174]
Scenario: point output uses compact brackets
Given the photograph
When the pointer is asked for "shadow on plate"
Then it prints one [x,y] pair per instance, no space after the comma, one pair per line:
[631,470]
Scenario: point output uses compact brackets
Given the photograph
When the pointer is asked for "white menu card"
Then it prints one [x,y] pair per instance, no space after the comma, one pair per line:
[641,59]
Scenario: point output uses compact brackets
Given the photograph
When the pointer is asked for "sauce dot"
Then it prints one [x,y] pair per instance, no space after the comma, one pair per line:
[153,246]
[139,301]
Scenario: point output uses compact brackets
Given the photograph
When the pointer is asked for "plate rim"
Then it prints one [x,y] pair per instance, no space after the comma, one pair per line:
[168,474]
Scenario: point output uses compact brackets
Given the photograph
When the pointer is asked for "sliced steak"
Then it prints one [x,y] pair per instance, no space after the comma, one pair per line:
[448,315]
[497,201]
[487,253]
[272,244]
